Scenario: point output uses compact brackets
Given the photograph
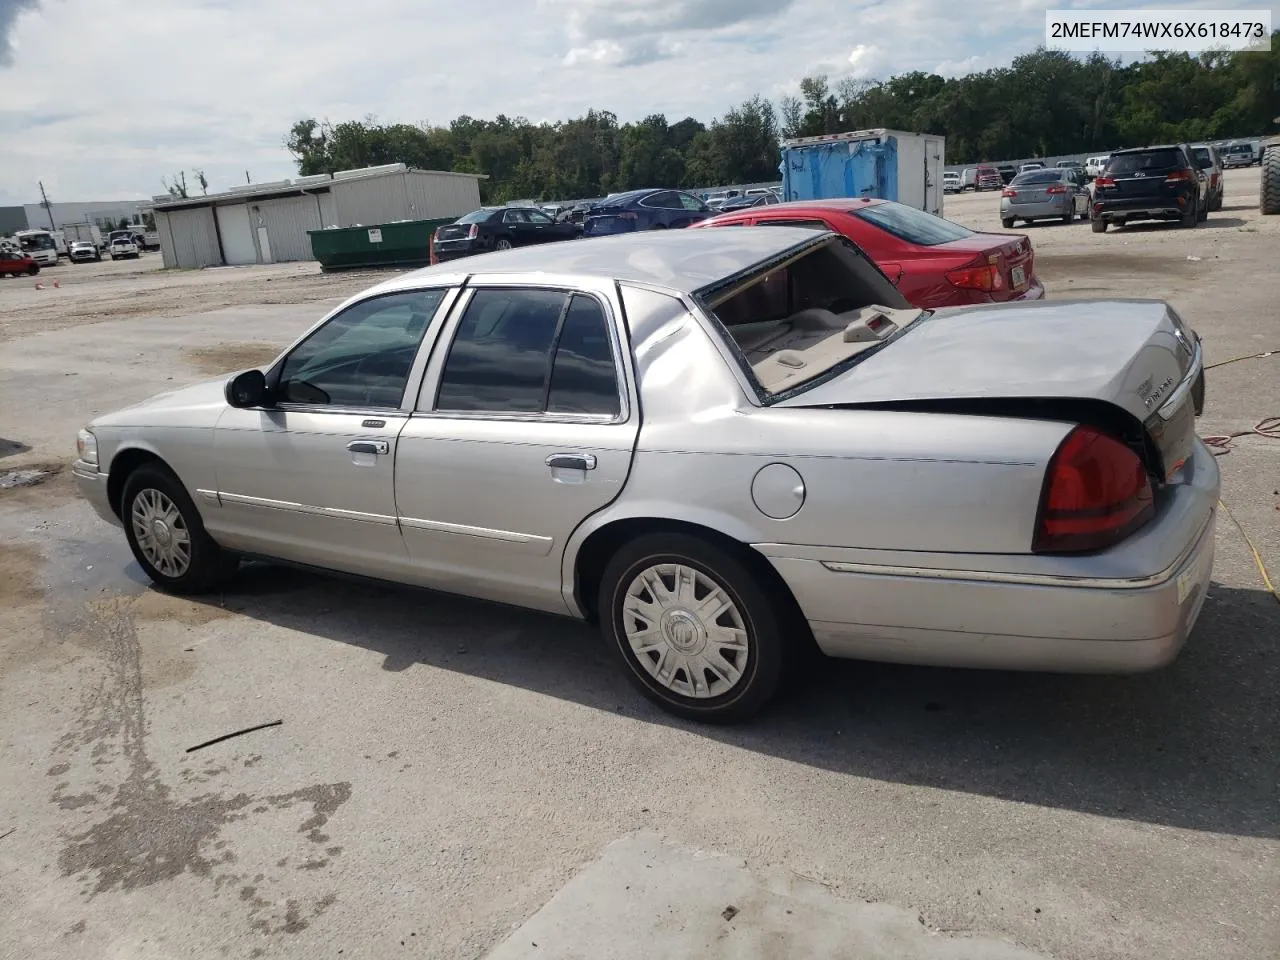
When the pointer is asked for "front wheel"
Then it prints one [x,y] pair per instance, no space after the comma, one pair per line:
[167,536]
[1006,222]
[697,632]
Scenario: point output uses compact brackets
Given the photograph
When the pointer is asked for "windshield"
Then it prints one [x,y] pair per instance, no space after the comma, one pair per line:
[912,225]
[1038,176]
[41,241]
[1147,160]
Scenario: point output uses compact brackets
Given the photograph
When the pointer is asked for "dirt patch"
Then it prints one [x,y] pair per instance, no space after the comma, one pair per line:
[1109,264]
[52,482]
[229,357]
[154,605]
[19,583]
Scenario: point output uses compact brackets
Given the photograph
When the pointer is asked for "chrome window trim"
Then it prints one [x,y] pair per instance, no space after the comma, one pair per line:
[428,393]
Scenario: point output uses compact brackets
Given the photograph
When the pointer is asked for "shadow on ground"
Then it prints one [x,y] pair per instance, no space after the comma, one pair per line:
[1196,745]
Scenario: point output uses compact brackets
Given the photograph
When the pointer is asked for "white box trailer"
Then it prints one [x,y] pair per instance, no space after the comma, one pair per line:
[889,164]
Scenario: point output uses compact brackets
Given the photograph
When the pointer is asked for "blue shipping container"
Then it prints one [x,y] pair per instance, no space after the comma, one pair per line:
[841,168]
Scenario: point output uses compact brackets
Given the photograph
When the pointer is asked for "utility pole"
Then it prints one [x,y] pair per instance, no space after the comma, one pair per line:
[246,177]
[48,207]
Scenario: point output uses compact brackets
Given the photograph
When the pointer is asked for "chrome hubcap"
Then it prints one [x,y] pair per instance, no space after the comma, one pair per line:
[685,631]
[161,532]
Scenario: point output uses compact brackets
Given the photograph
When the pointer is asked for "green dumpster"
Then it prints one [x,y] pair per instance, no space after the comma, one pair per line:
[403,244]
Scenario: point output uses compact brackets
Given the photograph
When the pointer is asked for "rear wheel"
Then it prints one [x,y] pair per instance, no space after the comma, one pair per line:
[1191,218]
[1099,226]
[697,632]
[502,244]
[167,536]
[1006,222]
[1204,211]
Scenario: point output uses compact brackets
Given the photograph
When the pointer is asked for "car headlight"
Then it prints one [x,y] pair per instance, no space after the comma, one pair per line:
[87,447]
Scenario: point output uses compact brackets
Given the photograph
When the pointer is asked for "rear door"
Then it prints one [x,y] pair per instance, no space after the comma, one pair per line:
[525,426]
[520,228]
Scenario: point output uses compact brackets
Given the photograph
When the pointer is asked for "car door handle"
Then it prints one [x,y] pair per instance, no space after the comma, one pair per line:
[378,447]
[571,461]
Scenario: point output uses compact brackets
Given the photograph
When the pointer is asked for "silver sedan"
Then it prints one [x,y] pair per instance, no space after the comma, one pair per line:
[722,446]
[1060,193]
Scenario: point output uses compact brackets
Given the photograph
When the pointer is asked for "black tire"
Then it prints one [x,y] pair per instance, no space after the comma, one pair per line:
[1191,218]
[1204,211]
[502,243]
[1099,226]
[760,614]
[208,563]
[1269,186]
[1006,222]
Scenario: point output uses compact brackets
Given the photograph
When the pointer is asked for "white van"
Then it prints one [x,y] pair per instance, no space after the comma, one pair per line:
[1094,166]
[40,245]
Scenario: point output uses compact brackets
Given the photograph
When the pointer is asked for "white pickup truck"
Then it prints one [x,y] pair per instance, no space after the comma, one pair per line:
[123,244]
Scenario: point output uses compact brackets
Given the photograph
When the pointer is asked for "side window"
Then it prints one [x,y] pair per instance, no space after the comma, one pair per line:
[666,200]
[536,216]
[514,216]
[500,357]
[690,203]
[361,357]
[583,375]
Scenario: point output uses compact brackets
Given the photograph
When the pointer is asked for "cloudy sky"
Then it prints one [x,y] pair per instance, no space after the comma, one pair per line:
[105,97]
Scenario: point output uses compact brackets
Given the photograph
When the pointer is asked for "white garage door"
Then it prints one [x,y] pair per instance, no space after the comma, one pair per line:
[237,234]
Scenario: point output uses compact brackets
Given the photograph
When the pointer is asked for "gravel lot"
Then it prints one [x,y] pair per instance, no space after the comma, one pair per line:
[445,767]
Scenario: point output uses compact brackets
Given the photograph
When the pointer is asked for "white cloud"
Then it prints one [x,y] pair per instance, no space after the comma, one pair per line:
[116,94]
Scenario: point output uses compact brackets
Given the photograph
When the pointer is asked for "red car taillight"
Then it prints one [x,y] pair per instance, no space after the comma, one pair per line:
[1103,182]
[1056,190]
[1008,192]
[1179,175]
[431,249]
[474,231]
[1096,493]
[986,278]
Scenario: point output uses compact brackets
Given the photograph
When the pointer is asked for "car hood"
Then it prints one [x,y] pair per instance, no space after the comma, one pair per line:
[1125,352]
[207,396]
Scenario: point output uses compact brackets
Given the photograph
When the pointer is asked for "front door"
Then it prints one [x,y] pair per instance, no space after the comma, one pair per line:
[310,478]
[524,428]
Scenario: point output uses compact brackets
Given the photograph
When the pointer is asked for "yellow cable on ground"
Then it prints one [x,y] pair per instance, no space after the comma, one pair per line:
[1247,356]
[1257,557]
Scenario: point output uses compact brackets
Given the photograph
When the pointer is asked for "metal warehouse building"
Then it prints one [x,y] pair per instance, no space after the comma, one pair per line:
[268,222]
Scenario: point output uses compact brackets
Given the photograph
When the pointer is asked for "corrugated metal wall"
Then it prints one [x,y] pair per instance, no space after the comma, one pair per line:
[167,253]
[373,200]
[192,237]
[435,195]
[287,221]
[328,210]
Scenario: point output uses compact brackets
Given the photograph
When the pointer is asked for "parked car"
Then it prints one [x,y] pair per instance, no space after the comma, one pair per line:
[716,444]
[1150,183]
[123,245]
[1030,165]
[1067,164]
[1059,193]
[1007,172]
[951,182]
[577,213]
[988,178]
[644,210]
[1239,155]
[933,262]
[1095,165]
[497,228]
[84,251]
[768,198]
[14,262]
[1210,161]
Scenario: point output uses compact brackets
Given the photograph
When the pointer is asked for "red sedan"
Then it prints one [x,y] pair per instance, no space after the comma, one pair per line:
[934,262]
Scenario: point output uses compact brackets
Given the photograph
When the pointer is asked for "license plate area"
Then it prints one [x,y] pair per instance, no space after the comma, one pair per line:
[1018,276]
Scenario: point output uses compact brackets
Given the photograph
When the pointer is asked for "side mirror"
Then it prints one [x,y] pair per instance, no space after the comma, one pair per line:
[247,389]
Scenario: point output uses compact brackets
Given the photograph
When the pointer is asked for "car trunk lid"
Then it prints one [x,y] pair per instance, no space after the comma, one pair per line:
[453,231]
[1140,176]
[1007,261]
[1042,359]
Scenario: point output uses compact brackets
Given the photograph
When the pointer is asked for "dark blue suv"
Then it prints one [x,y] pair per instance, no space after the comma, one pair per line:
[644,210]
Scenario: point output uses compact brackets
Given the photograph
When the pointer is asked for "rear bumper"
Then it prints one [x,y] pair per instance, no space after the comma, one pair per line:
[1034,291]
[1042,208]
[1142,208]
[92,485]
[1013,619]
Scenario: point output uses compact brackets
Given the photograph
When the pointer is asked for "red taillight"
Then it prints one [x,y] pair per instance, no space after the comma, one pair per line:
[1008,192]
[431,249]
[986,278]
[1104,182]
[1179,175]
[1096,493]
[1056,190]
[474,231]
